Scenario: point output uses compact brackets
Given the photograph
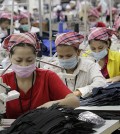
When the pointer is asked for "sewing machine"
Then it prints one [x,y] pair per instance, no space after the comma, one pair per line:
[6,94]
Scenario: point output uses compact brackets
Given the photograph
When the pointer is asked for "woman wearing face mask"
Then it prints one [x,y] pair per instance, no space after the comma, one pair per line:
[4,25]
[24,25]
[93,19]
[86,74]
[109,61]
[37,87]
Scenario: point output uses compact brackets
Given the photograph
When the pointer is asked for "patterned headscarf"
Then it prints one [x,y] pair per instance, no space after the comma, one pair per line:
[100,33]
[7,15]
[24,15]
[93,12]
[15,39]
[71,38]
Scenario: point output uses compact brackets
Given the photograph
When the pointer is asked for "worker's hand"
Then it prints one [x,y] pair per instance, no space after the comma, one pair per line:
[77,93]
[114,79]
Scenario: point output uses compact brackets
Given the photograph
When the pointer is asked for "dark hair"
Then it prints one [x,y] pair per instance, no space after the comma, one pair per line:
[22,45]
[108,42]
[118,29]
[2,20]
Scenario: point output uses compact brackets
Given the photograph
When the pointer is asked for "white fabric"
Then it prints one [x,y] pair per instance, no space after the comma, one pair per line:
[3,33]
[3,54]
[89,76]
[34,29]
[70,14]
[115,43]
[5,62]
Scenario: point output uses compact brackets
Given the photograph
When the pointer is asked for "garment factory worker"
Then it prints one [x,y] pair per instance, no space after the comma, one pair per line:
[93,18]
[25,27]
[109,61]
[86,74]
[5,19]
[37,87]
[24,23]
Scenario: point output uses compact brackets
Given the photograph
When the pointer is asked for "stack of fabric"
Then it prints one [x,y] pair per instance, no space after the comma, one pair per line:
[109,95]
[54,120]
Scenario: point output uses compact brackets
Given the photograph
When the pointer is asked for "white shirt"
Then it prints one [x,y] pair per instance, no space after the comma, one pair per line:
[34,29]
[88,77]
[3,33]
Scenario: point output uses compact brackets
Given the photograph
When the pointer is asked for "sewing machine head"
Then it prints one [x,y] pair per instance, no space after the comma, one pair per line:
[6,94]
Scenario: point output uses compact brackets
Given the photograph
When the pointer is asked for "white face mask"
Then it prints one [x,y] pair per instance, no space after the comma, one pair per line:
[69,63]
[100,55]
[25,27]
[92,24]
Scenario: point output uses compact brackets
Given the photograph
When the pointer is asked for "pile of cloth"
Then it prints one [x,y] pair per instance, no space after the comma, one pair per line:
[55,120]
[108,96]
